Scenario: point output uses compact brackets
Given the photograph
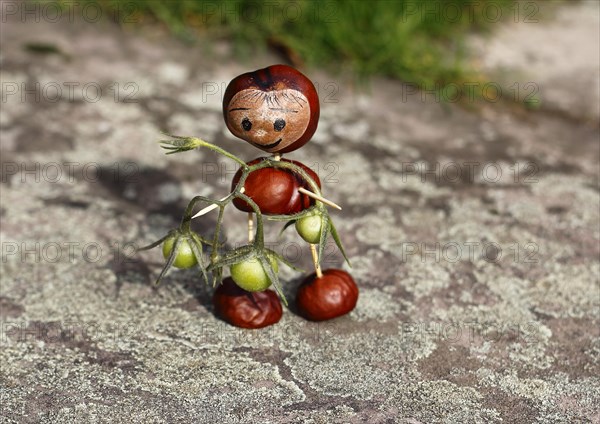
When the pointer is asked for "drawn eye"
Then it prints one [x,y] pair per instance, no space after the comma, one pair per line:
[246,124]
[279,124]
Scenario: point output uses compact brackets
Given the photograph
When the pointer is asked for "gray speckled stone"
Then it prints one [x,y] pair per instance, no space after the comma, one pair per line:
[474,236]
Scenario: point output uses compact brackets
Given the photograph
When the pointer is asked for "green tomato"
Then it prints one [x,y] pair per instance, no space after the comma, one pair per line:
[184,258]
[309,228]
[250,274]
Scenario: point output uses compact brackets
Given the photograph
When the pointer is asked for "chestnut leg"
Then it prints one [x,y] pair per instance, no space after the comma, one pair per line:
[246,309]
[331,295]
[313,251]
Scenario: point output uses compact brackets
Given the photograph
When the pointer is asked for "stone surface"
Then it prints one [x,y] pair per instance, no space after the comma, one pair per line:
[473,234]
[557,61]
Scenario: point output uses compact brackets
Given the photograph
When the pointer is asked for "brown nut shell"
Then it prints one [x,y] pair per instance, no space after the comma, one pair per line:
[275,190]
[246,309]
[282,87]
[332,295]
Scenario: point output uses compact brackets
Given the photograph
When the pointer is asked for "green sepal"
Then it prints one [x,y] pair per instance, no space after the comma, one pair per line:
[338,242]
[157,242]
[273,277]
[196,246]
[285,227]
[323,236]
[283,260]
[238,255]
[176,245]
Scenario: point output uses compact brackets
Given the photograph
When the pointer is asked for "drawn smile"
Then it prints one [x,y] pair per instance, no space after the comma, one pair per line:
[267,146]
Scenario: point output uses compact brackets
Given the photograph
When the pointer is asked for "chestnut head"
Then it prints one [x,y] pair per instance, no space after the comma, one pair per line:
[275,109]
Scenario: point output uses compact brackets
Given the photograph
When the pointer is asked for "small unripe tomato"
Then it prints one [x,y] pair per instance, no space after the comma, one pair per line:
[332,295]
[275,109]
[309,228]
[250,274]
[246,309]
[185,256]
[275,190]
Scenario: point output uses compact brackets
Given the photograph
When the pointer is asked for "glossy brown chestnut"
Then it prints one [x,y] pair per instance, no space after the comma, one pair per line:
[275,109]
[332,295]
[275,190]
[246,309]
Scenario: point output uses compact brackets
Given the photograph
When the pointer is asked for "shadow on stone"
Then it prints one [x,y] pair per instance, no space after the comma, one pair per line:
[155,192]
[290,288]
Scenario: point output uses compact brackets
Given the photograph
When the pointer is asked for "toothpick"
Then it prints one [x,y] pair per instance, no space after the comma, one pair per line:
[319,198]
[313,250]
[250,227]
[211,207]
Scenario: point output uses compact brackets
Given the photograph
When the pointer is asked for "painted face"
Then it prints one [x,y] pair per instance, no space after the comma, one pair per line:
[276,109]
[269,120]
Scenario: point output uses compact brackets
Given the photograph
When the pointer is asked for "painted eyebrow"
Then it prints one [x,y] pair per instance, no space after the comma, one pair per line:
[239,108]
[283,109]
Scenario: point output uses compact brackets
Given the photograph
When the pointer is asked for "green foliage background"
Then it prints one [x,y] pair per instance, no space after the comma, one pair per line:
[417,41]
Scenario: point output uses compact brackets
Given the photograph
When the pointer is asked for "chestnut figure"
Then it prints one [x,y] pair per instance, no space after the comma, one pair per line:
[330,296]
[275,190]
[276,109]
[246,309]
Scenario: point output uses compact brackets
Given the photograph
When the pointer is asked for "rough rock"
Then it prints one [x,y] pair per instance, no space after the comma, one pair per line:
[474,234]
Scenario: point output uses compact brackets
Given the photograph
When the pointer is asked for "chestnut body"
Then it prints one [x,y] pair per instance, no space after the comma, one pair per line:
[246,309]
[275,190]
[332,295]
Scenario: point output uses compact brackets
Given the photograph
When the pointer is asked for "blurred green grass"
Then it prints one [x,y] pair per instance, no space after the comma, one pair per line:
[416,41]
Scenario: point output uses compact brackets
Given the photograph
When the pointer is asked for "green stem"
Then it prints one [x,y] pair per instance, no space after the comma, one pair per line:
[270,163]
[215,251]
[197,142]
[258,243]
[187,215]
